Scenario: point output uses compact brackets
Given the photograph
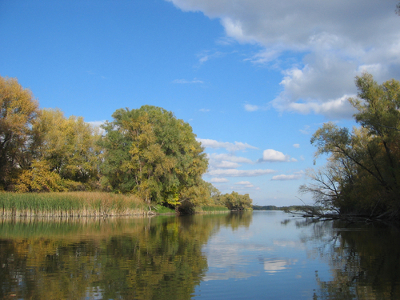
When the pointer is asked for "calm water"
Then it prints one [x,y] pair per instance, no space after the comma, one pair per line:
[260,255]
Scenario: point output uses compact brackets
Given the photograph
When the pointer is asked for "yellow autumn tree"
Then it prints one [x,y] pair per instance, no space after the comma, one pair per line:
[18,113]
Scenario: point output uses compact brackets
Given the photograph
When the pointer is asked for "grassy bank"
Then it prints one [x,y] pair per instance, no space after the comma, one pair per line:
[70,204]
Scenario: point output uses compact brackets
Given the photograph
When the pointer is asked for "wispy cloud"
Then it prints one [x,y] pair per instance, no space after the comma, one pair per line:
[239,173]
[208,55]
[218,180]
[204,110]
[296,145]
[185,81]
[246,184]
[231,147]
[229,157]
[283,177]
[250,107]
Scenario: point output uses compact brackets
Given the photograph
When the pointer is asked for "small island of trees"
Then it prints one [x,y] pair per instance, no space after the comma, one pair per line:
[144,156]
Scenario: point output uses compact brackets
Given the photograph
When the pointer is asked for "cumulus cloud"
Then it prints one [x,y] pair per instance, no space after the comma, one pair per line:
[271,155]
[231,147]
[239,173]
[336,40]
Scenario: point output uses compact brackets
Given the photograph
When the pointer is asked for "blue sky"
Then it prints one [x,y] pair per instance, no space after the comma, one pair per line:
[253,78]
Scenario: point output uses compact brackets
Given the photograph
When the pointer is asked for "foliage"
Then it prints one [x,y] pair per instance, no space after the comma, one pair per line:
[235,201]
[68,146]
[363,172]
[39,179]
[154,155]
[18,111]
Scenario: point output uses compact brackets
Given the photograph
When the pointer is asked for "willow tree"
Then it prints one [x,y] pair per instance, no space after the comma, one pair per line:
[18,112]
[151,153]
[363,175]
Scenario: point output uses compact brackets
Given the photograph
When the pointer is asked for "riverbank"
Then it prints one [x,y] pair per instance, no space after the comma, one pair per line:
[83,204]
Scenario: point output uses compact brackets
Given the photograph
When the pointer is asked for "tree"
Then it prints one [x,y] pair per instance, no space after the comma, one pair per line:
[18,113]
[235,201]
[363,171]
[151,153]
[68,146]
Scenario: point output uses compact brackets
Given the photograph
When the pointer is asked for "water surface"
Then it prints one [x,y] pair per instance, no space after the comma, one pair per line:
[260,255]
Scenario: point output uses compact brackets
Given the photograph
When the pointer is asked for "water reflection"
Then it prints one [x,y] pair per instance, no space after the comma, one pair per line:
[144,258]
[233,256]
[364,259]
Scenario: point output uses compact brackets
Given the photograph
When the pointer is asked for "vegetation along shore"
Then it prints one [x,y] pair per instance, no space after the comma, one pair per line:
[143,161]
[362,177]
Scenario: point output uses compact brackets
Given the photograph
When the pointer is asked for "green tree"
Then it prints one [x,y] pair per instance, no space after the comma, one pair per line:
[235,201]
[18,113]
[363,172]
[68,145]
[151,153]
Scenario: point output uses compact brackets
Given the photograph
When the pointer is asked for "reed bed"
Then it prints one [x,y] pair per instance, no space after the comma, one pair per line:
[212,209]
[70,204]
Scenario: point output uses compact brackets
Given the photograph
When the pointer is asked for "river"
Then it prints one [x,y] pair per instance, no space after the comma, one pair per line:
[254,255]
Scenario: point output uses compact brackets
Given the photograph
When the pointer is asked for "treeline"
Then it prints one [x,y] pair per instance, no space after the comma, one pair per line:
[362,176]
[147,152]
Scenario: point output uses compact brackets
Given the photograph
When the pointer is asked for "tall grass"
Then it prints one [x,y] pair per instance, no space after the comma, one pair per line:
[70,204]
[212,209]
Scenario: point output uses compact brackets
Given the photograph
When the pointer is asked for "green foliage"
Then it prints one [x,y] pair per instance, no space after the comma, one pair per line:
[68,146]
[363,172]
[152,154]
[235,201]
[18,112]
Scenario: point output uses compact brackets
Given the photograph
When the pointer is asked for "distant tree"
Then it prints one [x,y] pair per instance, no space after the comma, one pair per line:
[151,153]
[18,113]
[235,201]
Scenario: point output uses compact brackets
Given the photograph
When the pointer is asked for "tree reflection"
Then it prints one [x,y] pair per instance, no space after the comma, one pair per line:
[364,260]
[157,258]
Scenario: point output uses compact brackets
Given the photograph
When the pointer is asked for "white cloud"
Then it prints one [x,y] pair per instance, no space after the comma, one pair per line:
[271,155]
[245,184]
[218,180]
[231,147]
[305,130]
[184,81]
[249,107]
[296,145]
[283,177]
[229,157]
[226,165]
[204,110]
[239,173]
[336,40]
[96,123]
